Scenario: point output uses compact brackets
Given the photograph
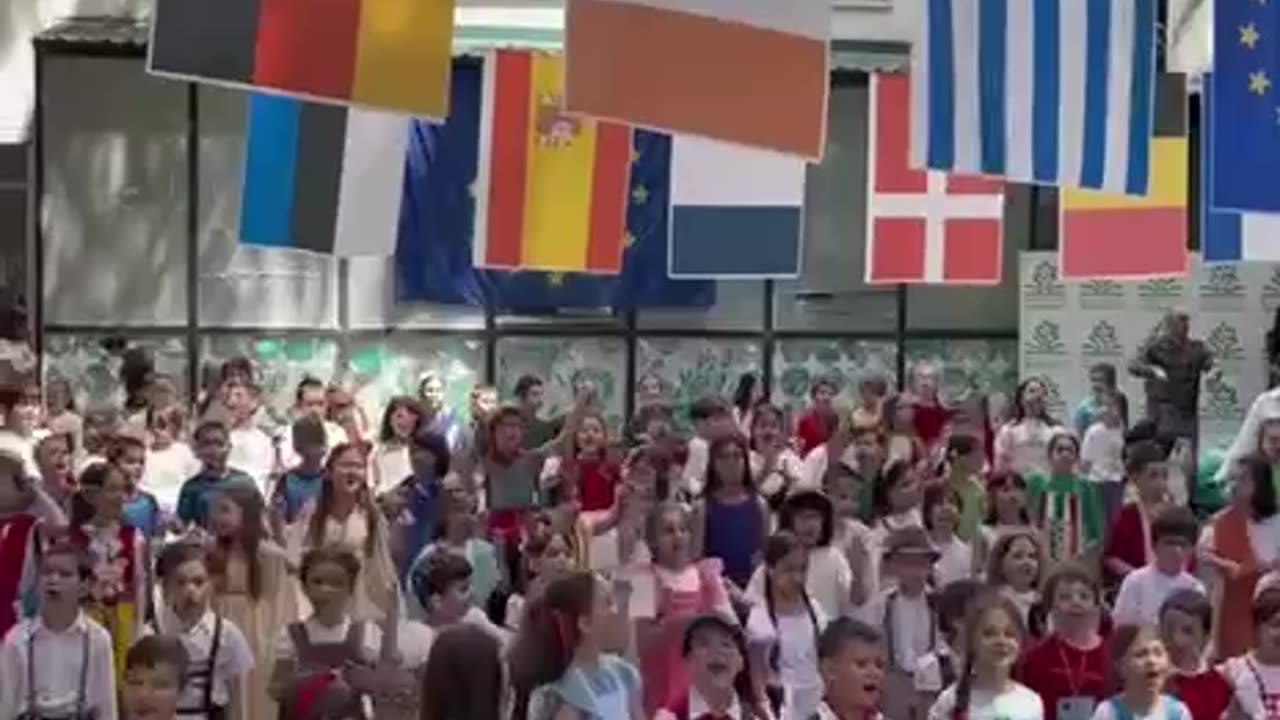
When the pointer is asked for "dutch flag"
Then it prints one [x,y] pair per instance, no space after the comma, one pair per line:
[1054,92]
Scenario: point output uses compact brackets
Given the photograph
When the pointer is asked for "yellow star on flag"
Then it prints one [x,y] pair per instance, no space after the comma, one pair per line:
[629,239]
[555,279]
[640,195]
[1259,83]
[1249,36]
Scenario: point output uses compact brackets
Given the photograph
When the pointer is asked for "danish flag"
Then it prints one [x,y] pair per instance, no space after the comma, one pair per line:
[925,226]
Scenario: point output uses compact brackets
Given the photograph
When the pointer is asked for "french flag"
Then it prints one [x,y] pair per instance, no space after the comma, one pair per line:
[1229,235]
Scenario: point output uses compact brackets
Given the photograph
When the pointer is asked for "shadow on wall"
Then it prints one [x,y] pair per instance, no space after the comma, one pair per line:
[115,195]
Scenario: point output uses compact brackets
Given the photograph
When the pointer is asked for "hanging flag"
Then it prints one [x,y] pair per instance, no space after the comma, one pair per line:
[390,54]
[434,254]
[322,178]
[753,72]
[925,226]
[551,193]
[736,212]
[1246,159]
[1050,92]
[1110,235]
[1229,235]
[1189,36]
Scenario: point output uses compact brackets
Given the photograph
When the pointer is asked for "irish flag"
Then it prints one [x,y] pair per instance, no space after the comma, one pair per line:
[390,54]
[751,72]
[551,188]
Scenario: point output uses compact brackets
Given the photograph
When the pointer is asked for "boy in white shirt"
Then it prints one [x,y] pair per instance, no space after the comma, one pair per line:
[1101,453]
[851,658]
[154,672]
[58,664]
[1173,536]
[253,452]
[220,657]
[906,615]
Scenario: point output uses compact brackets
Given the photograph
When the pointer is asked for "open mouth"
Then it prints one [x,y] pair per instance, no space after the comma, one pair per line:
[716,667]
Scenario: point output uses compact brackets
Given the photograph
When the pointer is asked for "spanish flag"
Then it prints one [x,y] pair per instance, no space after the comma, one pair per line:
[551,188]
[388,54]
[1108,235]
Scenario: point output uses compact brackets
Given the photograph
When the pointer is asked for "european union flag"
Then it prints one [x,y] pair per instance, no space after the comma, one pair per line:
[433,254]
[1245,155]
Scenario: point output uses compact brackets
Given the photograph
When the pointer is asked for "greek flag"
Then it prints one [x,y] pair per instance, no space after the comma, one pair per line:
[1055,92]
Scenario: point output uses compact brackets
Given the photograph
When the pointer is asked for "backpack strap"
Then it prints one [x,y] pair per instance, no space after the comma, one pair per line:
[83,684]
[207,700]
[1119,709]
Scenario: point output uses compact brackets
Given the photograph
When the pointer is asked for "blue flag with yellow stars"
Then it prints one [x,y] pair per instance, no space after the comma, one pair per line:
[1245,151]
[433,259]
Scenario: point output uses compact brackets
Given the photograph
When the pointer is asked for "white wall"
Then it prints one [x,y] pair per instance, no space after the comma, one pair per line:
[20,20]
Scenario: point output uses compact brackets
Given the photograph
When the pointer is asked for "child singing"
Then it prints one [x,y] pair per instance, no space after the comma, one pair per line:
[1185,621]
[58,664]
[851,659]
[1069,668]
[715,651]
[986,689]
[1256,675]
[1142,664]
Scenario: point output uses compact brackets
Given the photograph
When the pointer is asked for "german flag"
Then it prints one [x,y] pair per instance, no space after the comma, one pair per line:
[1106,235]
[388,54]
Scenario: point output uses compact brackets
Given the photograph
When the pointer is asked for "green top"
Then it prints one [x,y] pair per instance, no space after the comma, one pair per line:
[973,506]
[1070,510]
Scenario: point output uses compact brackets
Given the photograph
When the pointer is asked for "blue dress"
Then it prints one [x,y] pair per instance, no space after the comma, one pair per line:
[603,692]
[734,533]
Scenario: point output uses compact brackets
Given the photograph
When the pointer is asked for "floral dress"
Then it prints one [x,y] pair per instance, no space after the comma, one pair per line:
[118,583]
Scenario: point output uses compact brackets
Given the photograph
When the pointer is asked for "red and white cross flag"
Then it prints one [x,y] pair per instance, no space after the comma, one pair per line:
[923,226]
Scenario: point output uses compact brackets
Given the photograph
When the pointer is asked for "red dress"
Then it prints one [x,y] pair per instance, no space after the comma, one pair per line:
[1207,695]
[15,536]
[597,480]
[812,431]
[1055,670]
[930,421]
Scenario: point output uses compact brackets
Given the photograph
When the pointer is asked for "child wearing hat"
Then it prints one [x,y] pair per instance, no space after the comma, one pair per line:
[810,516]
[904,611]
[715,651]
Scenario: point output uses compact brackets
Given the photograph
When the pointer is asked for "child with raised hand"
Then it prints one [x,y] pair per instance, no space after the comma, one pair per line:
[22,513]
[774,464]
[715,651]
[1185,621]
[1015,569]
[907,616]
[155,670]
[1142,664]
[810,516]
[617,543]
[677,588]
[1173,535]
[58,664]
[118,595]
[1256,675]
[559,666]
[544,557]
[851,659]
[783,630]
[220,655]
[985,689]
[939,669]
[255,589]
[588,462]
[1069,668]
[389,462]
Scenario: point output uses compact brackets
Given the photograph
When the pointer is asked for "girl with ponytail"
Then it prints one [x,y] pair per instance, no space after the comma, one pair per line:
[559,669]
[985,689]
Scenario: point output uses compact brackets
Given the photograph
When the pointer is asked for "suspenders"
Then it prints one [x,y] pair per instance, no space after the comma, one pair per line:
[207,708]
[890,638]
[33,712]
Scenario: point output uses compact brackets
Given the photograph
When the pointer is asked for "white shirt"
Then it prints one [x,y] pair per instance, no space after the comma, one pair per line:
[828,581]
[1102,450]
[695,465]
[1025,446]
[1017,702]
[252,453]
[1106,711]
[1244,673]
[1143,592]
[796,639]
[912,625]
[390,465]
[234,660]
[1264,407]
[23,447]
[165,472]
[698,706]
[788,468]
[928,675]
[1264,539]
[59,663]
[955,562]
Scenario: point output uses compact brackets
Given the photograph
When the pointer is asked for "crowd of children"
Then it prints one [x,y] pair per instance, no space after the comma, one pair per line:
[901,559]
